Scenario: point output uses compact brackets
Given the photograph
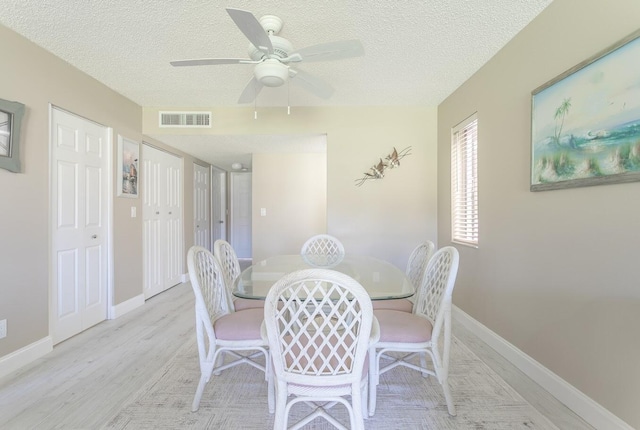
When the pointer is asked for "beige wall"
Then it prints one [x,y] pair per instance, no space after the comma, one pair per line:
[36,78]
[385,218]
[366,218]
[556,271]
[291,187]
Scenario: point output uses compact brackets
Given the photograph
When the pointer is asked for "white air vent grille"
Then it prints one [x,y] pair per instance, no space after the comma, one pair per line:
[185,119]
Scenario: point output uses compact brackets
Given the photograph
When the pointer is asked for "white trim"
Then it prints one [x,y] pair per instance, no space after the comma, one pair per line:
[23,356]
[125,307]
[110,234]
[588,409]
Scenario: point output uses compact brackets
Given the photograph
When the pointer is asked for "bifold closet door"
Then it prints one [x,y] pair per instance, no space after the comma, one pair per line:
[162,220]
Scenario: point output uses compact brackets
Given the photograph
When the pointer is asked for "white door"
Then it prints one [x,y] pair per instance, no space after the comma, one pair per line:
[79,223]
[173,209]
[162,220]
[241,214]
[201,206]
[151,222]
[219,206]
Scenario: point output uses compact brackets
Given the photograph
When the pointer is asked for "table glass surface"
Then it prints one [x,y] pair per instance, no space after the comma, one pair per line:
[381,279]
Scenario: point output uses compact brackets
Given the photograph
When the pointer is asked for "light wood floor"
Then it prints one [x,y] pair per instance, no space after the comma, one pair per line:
[87,379]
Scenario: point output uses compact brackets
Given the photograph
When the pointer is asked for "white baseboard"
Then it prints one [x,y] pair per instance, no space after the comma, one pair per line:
[17,359]
[126,306]
[588,409]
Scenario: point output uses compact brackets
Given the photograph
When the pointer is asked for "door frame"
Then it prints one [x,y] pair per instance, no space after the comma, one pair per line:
[109,210]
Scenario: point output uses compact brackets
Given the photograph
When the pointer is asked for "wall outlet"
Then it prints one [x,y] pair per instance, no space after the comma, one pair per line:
[3,328]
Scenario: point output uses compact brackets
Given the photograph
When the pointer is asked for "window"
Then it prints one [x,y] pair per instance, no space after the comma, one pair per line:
[464,182]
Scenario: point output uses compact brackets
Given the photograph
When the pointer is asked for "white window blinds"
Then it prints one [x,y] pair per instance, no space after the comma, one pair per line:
[464,182]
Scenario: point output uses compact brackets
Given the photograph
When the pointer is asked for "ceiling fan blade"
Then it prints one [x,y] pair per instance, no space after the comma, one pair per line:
[212,61]
[331,51]
[250,91]
[312,84]
[249,25]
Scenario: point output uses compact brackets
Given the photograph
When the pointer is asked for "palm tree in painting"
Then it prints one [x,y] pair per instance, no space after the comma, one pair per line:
[560,114]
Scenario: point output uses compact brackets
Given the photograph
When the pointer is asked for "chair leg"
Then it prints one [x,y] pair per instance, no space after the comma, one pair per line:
[373,381]
[364,393]
[280,421]
[357,407]
[448,398]
[271,394]
[196,400]
[423,363]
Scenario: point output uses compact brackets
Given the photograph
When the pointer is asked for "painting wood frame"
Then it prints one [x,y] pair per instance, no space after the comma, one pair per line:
[585,123]
[128,162]
[11,114]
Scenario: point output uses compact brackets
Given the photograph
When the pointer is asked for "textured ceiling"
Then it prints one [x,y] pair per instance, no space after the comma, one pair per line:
[416,52]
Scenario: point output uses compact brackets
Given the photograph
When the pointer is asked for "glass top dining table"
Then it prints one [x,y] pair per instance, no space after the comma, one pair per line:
[381,279]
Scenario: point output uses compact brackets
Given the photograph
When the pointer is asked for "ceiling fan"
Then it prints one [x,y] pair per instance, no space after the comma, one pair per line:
[274,56]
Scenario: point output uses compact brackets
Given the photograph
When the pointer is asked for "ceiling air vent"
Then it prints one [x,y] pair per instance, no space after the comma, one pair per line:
[185,119]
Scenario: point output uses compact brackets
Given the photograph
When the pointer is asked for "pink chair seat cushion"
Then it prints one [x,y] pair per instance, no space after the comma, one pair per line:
[241,325]
[397,326]
[240,304]
[402,305]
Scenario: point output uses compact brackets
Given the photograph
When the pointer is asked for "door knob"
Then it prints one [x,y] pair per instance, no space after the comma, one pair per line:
[95,236]
[221,222]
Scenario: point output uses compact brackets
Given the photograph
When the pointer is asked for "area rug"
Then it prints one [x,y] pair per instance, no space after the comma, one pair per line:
[237,399]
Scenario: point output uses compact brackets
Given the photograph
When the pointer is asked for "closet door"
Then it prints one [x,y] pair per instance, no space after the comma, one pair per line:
[162,220]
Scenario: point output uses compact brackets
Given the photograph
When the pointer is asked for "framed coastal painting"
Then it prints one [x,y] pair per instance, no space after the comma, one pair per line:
[128,156]
[585,124]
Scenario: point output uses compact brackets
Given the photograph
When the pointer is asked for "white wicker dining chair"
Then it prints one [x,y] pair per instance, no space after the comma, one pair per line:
[220,331]
[418,333]
[322,250]
[319,324]
[416,266]
[230,266]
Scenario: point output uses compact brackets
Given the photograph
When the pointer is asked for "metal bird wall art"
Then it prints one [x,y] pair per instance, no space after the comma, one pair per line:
[377,170]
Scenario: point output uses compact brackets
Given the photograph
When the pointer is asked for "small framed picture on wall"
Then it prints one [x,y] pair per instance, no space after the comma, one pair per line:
[128,158]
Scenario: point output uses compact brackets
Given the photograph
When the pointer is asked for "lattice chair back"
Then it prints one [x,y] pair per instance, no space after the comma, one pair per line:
[319,326]
[417,263]
[229,264]
[207,281]
[434,295]
[323,250]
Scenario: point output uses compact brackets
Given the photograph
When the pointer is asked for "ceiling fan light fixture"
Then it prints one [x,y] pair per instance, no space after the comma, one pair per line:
[271,73]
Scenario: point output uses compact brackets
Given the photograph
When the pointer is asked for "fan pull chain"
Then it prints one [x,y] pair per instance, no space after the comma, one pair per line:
[255,101]
[288,97]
